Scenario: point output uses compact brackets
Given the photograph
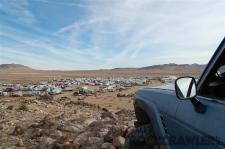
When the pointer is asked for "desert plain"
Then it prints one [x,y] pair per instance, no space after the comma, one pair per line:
[65,120]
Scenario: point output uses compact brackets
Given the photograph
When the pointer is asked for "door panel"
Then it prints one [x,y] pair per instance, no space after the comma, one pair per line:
[191,123]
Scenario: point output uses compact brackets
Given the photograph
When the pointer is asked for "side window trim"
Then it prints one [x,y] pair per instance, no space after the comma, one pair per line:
[212,99]
[210,65]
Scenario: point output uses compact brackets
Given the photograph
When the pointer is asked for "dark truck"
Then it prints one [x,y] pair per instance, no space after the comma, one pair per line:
[192,115]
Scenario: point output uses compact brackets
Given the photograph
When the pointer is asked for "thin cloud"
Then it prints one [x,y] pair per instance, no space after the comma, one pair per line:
[126,33]
[17,10]
[157,26]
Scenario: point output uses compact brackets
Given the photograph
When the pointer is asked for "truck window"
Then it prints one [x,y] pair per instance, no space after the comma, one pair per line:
[215,87]
[221,71]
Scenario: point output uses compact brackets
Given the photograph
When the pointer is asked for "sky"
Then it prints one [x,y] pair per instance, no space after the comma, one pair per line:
[105,34]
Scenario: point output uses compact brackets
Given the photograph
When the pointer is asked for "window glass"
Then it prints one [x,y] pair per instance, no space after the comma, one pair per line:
[215,88]
[221,71]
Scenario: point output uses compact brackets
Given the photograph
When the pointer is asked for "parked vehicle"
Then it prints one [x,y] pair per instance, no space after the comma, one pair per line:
[54,90]
[189,117]
[32,93]
[16,94]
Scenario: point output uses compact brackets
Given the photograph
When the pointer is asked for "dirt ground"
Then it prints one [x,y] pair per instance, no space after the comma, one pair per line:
[67,121]
[36,75]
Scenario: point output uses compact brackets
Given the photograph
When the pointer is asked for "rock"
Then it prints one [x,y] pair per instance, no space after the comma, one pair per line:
[45,143]
[104,109]
[103,132]
[20,143]
[125,115]
[64,98]
[46,97]
[95,141]
[118,142]
[96,124]
[77,111]
[87,140]
[123,112]
[64,146]
[10,107]
[64,140]
[76,93]
[1,127]
[115,131]
[48,121]
[55,134]
[23,107]
[130,130]
[89,121]
[82,138]
[107,145]
[35,125]
[71,129]
[18,131]
[121,95]
[131,123]
[124,95]
[80,98]
[107,114]
[37,132]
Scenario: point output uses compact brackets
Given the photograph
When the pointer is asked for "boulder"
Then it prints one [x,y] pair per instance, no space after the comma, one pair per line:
[48,121]
[89,121]
[108,145]
[119,142]
[66,128]
[45,143]
[114,132]
[87,140]
[19,143]
[55,134]
[107,114]
[64,140]
[18,131]
[46,97]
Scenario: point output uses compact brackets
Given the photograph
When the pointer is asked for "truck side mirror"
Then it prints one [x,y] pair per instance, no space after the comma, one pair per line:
[185,87]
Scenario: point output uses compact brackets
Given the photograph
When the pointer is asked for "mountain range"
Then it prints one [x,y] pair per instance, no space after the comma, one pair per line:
[170,66]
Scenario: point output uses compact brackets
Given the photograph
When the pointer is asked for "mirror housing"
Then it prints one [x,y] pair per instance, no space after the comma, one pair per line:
[185,88]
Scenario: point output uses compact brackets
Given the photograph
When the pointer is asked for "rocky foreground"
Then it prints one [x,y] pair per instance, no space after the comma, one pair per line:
[64,123]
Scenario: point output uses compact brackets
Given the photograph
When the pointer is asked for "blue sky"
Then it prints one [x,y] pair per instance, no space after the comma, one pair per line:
[98,34]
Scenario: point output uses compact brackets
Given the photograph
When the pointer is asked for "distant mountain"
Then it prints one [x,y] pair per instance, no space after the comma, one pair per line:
[14,67]
[123,69]
[173,66]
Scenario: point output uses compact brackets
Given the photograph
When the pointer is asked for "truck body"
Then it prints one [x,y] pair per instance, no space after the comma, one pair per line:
[177,122]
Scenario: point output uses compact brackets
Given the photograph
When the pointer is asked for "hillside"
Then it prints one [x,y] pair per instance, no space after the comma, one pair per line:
[173,66]
[14,67]
[170,66]
[20,73]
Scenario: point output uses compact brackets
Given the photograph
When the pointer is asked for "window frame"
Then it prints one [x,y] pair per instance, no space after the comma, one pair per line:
[214,64]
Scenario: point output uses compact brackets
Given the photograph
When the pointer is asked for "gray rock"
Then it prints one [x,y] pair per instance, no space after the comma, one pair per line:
[89,121]
[107,145]
[115,131]
[107,114]
[70,129]
[18,131]
[20,143]
[88,140]
[55,134]
[45,143]
[119,142]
